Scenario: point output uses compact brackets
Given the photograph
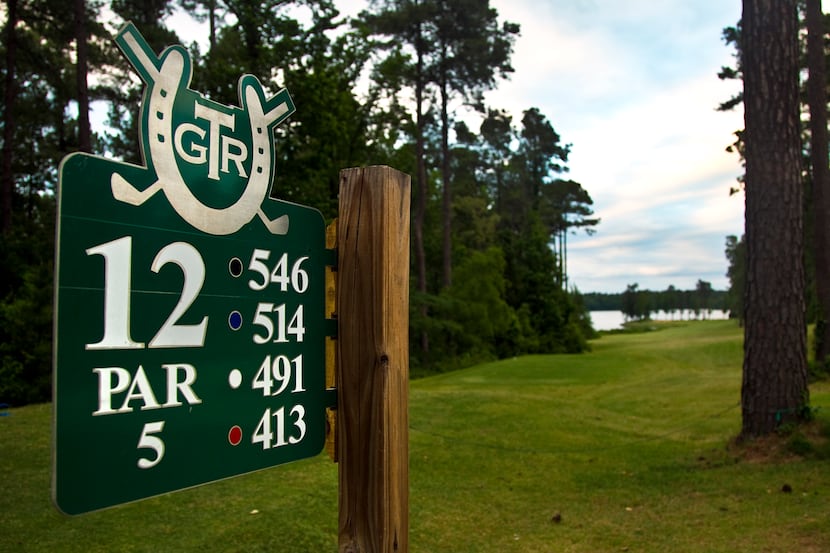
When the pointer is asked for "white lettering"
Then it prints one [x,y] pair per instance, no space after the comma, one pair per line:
[238,156]
[198,149]
[174,385]
[106,387]
[118,381]
[217,119]
[220,151]
[117,256]
[144,393]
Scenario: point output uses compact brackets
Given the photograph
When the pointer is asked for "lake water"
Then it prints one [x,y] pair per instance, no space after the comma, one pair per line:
[609,320]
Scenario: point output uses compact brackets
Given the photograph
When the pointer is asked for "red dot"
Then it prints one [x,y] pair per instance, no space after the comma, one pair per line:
[235,435]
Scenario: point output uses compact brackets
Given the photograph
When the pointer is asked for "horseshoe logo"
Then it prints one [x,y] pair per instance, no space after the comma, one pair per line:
[195,145]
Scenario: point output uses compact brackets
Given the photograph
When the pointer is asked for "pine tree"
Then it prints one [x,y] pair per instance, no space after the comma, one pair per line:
[774,387]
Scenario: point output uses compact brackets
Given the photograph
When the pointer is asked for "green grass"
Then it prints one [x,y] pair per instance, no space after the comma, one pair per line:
[622,449]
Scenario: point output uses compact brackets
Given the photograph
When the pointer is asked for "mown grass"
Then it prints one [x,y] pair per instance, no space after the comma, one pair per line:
[626,448]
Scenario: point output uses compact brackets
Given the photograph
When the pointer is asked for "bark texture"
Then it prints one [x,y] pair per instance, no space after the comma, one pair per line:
[775,364]
[84,131]
[7,177]
[817,98]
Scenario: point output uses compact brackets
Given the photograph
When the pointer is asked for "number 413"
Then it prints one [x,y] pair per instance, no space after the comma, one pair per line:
[276,438]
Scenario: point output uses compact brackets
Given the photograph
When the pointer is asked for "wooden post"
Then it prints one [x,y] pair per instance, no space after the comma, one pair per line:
[373,360]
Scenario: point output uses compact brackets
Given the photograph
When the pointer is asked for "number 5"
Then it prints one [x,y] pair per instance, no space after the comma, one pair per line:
[151,442]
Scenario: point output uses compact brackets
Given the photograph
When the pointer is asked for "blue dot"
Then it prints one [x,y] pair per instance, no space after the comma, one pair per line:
[235,320]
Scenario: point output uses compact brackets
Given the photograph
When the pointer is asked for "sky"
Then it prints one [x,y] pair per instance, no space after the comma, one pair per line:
[632,85]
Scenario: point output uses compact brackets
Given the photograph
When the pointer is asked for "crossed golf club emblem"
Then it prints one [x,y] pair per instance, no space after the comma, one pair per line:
[167,79]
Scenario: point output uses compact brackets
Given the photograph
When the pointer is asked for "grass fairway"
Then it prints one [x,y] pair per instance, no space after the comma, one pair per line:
[621,449]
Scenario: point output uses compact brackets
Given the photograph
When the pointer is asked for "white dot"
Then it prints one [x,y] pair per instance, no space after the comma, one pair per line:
[235,378]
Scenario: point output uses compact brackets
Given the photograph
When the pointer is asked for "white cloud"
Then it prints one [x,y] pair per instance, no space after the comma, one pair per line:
[664,201]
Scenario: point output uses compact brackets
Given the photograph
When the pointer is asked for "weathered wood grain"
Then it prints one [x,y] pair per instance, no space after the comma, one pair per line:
[373,360]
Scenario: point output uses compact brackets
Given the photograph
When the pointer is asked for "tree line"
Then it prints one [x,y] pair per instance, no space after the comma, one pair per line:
[639,304]
[402,84]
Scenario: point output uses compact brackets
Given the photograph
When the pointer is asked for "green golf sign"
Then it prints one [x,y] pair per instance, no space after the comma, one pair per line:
[190,307]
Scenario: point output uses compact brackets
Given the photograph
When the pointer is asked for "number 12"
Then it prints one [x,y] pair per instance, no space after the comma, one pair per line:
[117,256]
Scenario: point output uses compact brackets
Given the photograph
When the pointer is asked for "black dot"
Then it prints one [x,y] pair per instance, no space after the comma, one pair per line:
[235,267]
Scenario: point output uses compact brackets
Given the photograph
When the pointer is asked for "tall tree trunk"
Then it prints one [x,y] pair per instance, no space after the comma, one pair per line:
[564,260]
[446,178]
[817,98]
[421,186]
[775,363]
[212,25]
[7,177]
[84,132]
